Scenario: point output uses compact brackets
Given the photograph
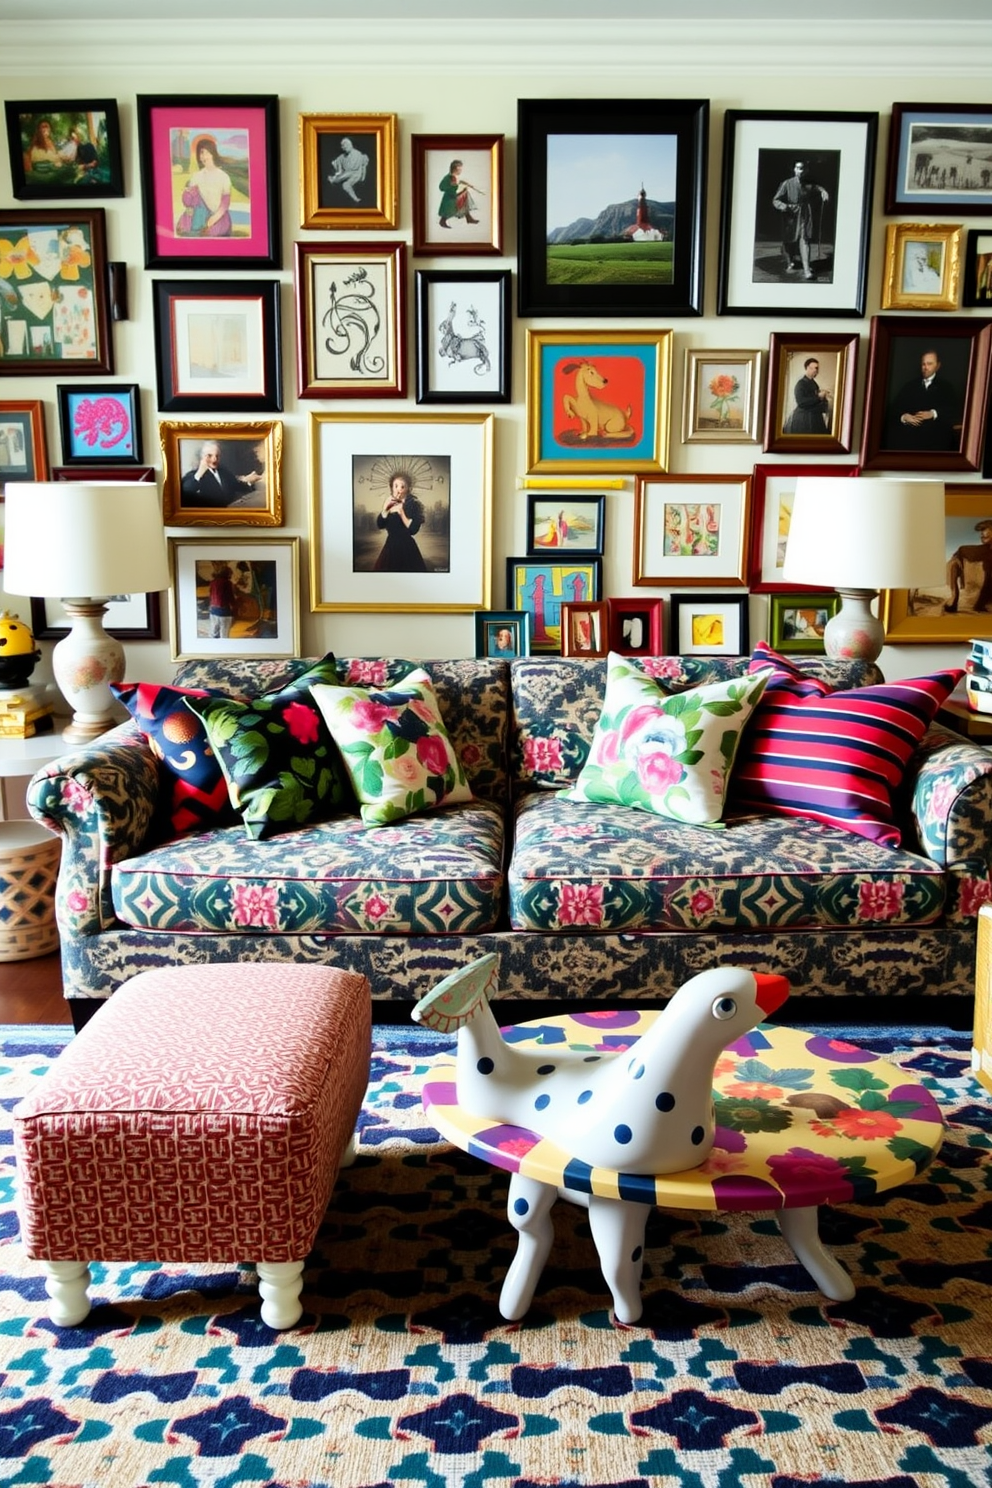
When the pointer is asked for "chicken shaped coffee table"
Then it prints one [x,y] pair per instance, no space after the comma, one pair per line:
[693,1107]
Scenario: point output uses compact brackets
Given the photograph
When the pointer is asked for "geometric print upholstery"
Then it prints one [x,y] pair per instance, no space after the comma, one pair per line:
[200,1117]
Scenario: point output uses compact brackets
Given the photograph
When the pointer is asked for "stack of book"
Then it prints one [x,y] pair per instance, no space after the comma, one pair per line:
[27,712]
[978,676]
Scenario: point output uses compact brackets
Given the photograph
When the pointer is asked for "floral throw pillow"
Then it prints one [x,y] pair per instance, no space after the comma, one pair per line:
[669,753]
[395,748]
[279,761]
[197,798]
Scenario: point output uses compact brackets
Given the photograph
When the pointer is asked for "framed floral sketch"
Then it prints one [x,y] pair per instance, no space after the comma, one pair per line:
[810,403]
[542,586]
[960,607]
[689,528]
[348,175]
[940,159]
[708,625]
[23,455]
[56,317]
[922,266]
[401,511]
[585,629]
[221,474]
[129,617]
[636,626]
[64,147]
[503,633]
[457,194]
[796,622]
[565,522]
[350,303]
[611,197]
[773,490]
[463,336]
[234,596]
[796,212]
[977,290]
[721,397]
[99,425]
[598,400]
[210,180]
[217,345]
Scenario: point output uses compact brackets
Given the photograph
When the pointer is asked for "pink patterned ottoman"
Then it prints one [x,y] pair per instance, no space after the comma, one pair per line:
[202,1115]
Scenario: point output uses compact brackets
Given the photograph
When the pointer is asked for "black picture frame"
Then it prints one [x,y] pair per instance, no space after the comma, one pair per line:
[45,628]
[463,356]
[89,165]
[559,142]
[932,147]
[68,331]
[977,288]
[541,586]
[760,150]
[728,617]
[99,425]
[565,523]
[249,337]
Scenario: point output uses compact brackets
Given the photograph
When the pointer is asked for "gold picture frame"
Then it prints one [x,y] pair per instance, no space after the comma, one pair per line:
[721,396]
[922,266]
[248,483]
[912,616]
[348,171]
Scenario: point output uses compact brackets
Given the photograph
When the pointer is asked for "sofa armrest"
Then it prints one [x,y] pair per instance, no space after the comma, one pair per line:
[100,799]
[949,785]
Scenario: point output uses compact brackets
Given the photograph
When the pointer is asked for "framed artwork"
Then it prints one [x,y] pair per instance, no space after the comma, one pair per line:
[463,336]
[689,528]
[598,400]
[796,214]
[940,159]
[99,425]
[708,625]
[773,491]
[796,622]
[218,345]
[64,148]
[139,474]
[565,522]
[585,629]
[129,617]
[210,181]
[457,193]
[611,206]
[54,311]
[23,456]
[348,171]
[350,320]
[927,393]
[221,474]
[977,289]
[401,511]
[810,403]
[543,586]
[234,597]
[721,397]
[922,266]
[503,633]
[961,607]
[635,626]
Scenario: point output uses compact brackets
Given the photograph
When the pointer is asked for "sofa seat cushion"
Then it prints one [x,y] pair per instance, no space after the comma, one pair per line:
[577,866]
[441,875]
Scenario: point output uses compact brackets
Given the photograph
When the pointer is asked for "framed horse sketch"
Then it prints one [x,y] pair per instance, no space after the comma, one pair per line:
[463,336]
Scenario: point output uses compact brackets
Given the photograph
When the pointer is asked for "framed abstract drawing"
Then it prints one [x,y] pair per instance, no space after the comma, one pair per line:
[773,491]
[64,147]
[457,194]
[810,403]
[218,345]
[565,522]
[99,425]
[636,626]
[463,336]
[585,629]
[543,586]
[234,596]
[350,321]
[940,159]
[55,316]
[348,171]
[708,625]
[691,528]
[23,456]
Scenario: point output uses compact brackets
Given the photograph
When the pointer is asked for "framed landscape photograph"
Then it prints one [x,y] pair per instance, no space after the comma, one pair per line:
[708,625]
[401,511]
[922,266]
[129,617]
[598,400]
[463,336]
[611,197]
[221,474]
[940,159]
[210,181]
[636,626]
[796,212]
[585,629]
[977,290]
[773,491]
[457,194]
[348,176]
[55,315]
[503,633]
[218,345]
[721,397]
[691,528]
[565,522]
[236,596]
[796,622]
[810,402]
[64,147]
[961,607]
[99,425]
[350,300]
[542,586]
[927,393]
[23,455]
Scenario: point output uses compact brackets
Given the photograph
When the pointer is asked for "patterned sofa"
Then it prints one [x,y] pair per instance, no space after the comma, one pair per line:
[582,902]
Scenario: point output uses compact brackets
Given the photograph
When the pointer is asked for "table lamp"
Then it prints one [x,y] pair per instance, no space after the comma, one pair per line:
[860,534]
[84,544]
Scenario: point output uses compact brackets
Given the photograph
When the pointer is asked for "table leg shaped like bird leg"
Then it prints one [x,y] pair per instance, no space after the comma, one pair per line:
[799,1226]
[528,1208]
[618,1233]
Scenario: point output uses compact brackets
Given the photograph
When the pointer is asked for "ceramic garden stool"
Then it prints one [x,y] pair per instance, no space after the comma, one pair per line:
[200,1116]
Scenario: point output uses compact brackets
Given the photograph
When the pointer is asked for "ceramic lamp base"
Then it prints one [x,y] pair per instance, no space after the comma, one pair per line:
[85,662]
[854,633]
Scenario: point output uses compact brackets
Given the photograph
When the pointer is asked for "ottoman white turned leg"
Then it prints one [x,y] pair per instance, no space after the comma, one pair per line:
[67,1284]
[280,1284]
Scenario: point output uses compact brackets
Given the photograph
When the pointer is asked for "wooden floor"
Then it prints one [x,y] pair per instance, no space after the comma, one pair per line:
[31,991]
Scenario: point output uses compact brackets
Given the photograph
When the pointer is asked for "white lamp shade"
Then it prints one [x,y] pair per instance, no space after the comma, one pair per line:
[848,532]
[72,541]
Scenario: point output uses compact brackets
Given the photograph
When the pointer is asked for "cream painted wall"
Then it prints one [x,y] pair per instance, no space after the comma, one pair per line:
[446,87]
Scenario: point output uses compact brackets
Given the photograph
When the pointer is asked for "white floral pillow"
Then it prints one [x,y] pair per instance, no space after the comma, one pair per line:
[670,753]
[395,747]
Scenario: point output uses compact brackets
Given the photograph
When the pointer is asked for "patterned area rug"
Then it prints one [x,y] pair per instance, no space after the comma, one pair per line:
[403,1371]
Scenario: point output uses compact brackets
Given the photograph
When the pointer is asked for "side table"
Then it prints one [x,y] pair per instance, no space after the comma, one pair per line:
[29,856]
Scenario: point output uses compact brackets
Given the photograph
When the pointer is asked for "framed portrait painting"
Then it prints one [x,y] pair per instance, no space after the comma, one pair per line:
[54,314]
[708,625]
[773,491]
[210,181]
[691,528]
[796,622]
[721,397]
[217,345]
[457,194]
[543,586]
[636,626]
[960,607]
[922,266]
[977,290]
[598,400]
[401,511]
[502,633]
[23,455]
[348,171]
[940,159]
[64,147]
[99,425]
[463,336]
[927,393]
[565,522]
[810,401]
[350,301]
[611,197]
[221,474]
[796,212]
[236,596]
